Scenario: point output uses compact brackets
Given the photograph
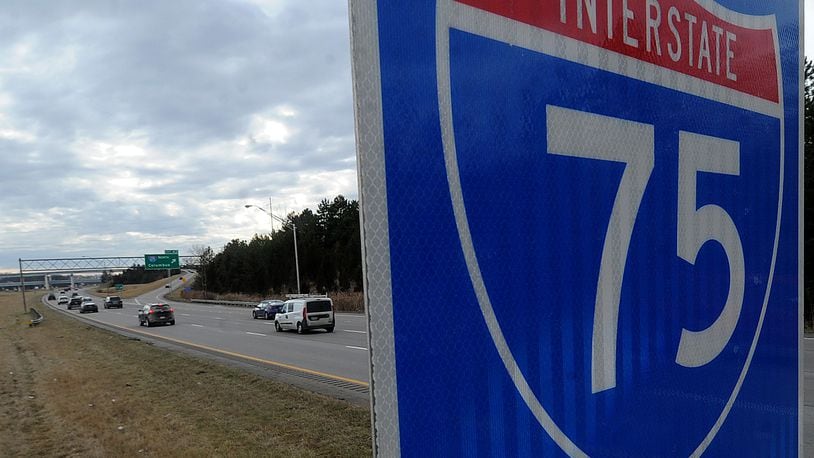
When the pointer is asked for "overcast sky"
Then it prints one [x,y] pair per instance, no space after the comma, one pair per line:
[130,127]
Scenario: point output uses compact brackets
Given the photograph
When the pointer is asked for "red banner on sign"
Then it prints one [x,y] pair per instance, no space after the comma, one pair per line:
[678,35]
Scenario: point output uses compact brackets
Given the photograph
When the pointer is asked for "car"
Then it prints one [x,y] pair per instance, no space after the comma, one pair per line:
[51,296]
[88,306]
[74,294]
[75,303]
[267,309]
[304,314]
[112,302]
[63,300]
[153,314]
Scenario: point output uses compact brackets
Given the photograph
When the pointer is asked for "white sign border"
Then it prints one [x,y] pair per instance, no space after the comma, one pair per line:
[373,216]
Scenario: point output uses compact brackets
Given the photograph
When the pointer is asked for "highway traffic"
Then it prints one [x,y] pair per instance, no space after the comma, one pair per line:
[232,332]
[341,355]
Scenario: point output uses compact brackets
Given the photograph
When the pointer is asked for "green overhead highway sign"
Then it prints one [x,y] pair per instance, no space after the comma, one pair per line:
[161,261]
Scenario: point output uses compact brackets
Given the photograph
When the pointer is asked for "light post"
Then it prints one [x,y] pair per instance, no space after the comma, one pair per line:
[293,226]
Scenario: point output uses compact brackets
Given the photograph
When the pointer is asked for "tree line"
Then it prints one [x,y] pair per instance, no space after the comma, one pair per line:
[329,253]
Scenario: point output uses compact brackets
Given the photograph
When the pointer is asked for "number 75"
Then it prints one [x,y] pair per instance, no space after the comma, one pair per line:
[591,136]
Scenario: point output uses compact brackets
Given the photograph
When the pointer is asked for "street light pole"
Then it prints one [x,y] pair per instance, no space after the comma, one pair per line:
[296,256]
[293,226]
[271,217]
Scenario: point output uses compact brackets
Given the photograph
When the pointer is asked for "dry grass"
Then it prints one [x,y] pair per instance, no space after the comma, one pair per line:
[343,301]
[348,301]
[68,389]
[131,291]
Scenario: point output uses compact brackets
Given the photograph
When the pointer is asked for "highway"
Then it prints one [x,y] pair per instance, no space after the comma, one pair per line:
[340,357]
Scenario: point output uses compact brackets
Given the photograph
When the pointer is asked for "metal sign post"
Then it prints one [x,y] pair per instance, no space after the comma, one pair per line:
[597,206]
[22,285]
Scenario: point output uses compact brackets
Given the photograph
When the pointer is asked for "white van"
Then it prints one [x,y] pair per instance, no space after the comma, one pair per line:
[304,314]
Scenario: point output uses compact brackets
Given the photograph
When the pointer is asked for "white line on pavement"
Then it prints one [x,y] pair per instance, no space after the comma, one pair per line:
[196,325]
[357,332]
[256,334]
[356,348]
[185,314]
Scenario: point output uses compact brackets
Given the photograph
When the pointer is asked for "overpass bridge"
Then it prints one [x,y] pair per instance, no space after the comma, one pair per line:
[44,267]
[37,284]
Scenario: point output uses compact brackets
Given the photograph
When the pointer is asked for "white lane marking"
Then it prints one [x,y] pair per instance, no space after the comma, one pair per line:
[218,318]
[357,332]
[185,314]
[137,302]
[256,334]
[356,348]
[196,325]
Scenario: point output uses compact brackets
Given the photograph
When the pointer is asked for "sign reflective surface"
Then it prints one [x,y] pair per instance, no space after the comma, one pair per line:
[592,228]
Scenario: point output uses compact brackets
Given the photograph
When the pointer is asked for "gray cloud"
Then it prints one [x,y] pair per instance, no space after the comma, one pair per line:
[129,126]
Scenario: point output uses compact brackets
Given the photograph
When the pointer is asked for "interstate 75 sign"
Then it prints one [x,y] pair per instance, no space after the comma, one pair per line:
[581,225]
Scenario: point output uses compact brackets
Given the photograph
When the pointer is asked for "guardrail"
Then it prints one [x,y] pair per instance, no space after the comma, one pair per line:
[250,304]
[230,303]
[36,317]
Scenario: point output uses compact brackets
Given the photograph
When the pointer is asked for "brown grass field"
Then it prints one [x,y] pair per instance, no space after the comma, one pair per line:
[71,390]
[131,291]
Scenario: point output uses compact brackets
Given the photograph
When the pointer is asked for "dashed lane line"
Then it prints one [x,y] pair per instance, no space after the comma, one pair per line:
[256,334]
[242,356]
[357,332]
[356,348]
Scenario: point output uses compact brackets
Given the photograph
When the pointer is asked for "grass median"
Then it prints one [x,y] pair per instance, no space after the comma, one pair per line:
[131,291]
[70,389]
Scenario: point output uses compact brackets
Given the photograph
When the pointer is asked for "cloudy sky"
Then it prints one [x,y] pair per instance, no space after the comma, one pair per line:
[130,127]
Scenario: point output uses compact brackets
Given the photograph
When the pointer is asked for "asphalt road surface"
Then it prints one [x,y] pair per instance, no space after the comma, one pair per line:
[231,331]
[341,355]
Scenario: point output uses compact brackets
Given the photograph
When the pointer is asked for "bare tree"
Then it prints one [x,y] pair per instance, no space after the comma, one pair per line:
[205,256]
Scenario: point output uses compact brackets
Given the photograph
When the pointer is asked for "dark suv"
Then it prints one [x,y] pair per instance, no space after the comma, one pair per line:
[267,309]
[75,303]
[156,313]
[113,302]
